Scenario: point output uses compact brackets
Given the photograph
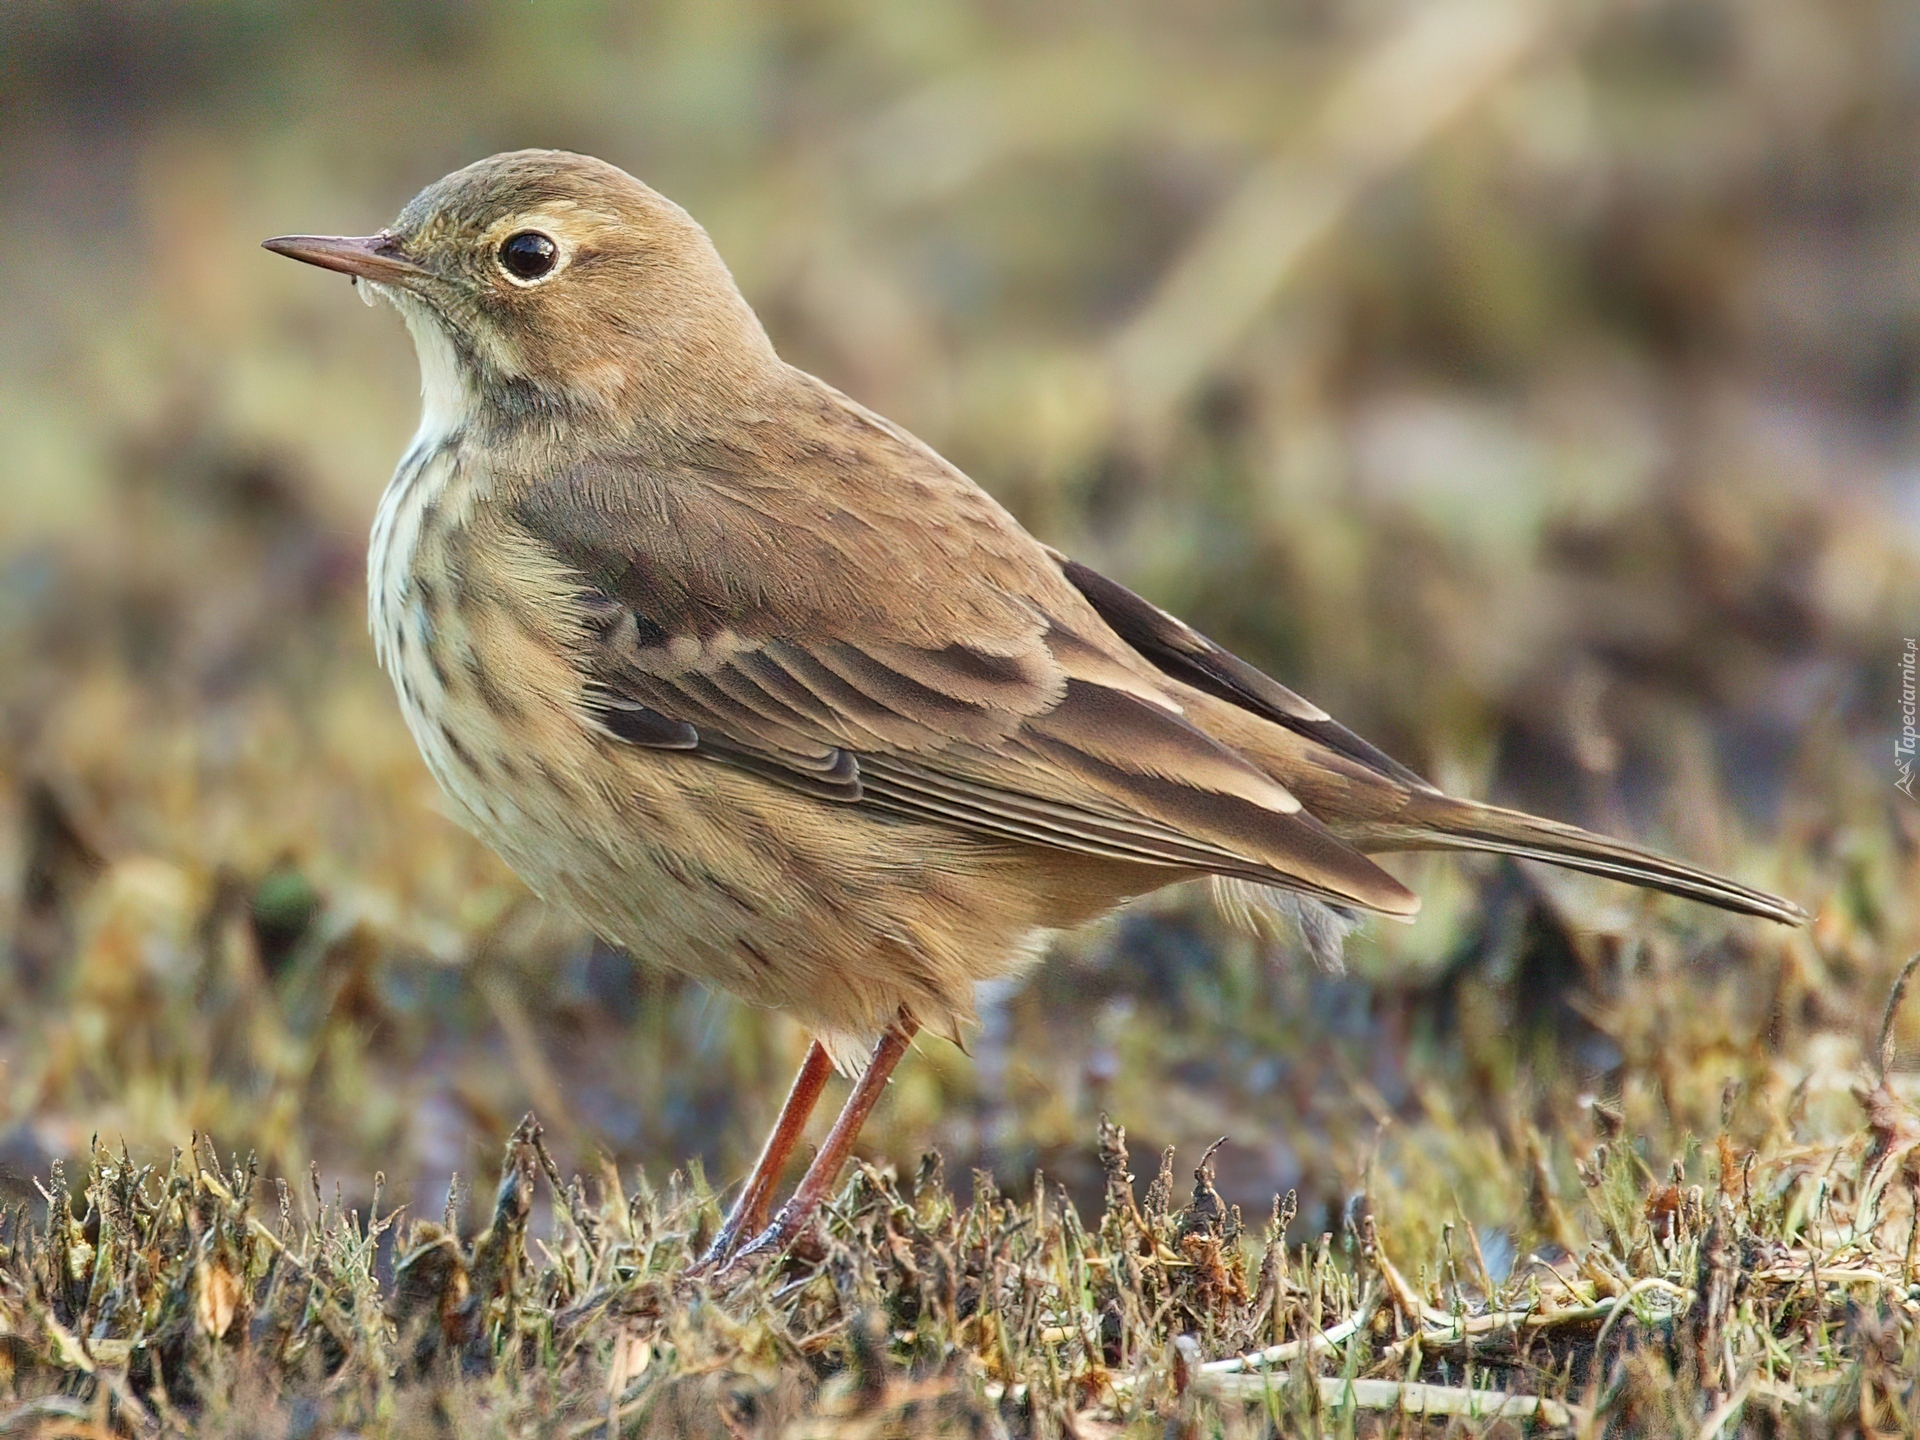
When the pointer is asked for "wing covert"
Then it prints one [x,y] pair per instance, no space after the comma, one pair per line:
[978,691]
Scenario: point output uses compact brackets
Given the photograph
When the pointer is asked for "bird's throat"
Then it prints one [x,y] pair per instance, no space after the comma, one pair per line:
[447,399]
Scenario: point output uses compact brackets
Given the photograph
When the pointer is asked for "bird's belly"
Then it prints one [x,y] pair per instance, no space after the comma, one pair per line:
[538,796]
[831,911]
[828,912]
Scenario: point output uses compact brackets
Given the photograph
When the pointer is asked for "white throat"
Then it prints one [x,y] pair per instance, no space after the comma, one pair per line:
[446,399]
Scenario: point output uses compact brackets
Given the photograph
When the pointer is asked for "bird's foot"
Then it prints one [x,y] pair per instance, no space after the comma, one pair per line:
[727,1258]
[776,1239]
[794,1217]
[715,1259]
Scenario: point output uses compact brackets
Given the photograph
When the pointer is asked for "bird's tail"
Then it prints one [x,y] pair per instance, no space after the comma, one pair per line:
[1440,822]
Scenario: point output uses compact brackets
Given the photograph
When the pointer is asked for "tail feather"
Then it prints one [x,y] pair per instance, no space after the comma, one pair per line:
[1440,822]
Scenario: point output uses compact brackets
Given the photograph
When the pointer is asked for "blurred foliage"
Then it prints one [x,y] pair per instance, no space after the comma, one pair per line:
[1530,384]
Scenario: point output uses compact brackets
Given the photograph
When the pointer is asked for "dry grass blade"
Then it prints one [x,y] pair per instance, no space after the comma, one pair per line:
[1888,1037]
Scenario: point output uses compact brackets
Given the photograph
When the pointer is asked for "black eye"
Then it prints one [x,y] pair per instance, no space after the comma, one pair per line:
[528,255]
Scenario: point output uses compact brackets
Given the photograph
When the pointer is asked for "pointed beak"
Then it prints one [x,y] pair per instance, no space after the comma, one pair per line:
[371,257]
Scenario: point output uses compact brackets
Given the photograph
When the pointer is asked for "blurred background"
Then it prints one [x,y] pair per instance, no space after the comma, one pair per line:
[1531,384]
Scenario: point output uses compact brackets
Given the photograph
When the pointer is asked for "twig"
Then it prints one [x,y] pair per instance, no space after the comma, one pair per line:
[1443,1327]
[1838,1274]
[1473,1328]
[1409,1397]
[1319,1343]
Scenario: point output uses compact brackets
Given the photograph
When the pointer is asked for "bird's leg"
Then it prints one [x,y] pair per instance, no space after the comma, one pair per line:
[821,1174]
[749,1212]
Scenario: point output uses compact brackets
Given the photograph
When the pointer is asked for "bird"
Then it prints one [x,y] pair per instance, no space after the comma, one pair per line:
[754,683]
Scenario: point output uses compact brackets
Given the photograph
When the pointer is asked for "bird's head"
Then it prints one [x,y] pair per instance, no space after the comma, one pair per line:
[541,285]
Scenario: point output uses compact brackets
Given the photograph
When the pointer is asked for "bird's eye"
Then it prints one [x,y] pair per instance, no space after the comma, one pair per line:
[528,255]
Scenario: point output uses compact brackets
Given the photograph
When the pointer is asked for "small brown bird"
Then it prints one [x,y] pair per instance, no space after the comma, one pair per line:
[758,686]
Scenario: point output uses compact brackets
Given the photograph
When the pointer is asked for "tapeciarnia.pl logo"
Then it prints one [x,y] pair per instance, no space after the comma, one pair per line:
[1903,748]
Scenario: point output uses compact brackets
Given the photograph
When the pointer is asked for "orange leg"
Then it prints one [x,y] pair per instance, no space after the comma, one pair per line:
[798,1210]
[749,1212]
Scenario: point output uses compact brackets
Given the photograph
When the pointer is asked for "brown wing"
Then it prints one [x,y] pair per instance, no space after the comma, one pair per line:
[921,659]
[1187,655]
[1371,800]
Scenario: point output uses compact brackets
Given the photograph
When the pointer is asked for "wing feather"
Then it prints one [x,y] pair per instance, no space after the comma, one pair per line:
[1187,655]
[995,700]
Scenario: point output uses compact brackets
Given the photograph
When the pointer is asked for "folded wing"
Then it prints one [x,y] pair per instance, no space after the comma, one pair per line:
[1023,730]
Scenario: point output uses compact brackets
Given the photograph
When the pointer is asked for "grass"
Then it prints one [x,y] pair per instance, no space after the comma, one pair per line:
[1777,1292]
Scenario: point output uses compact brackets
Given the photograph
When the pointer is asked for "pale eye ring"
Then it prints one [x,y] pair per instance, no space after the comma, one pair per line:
[527,256]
